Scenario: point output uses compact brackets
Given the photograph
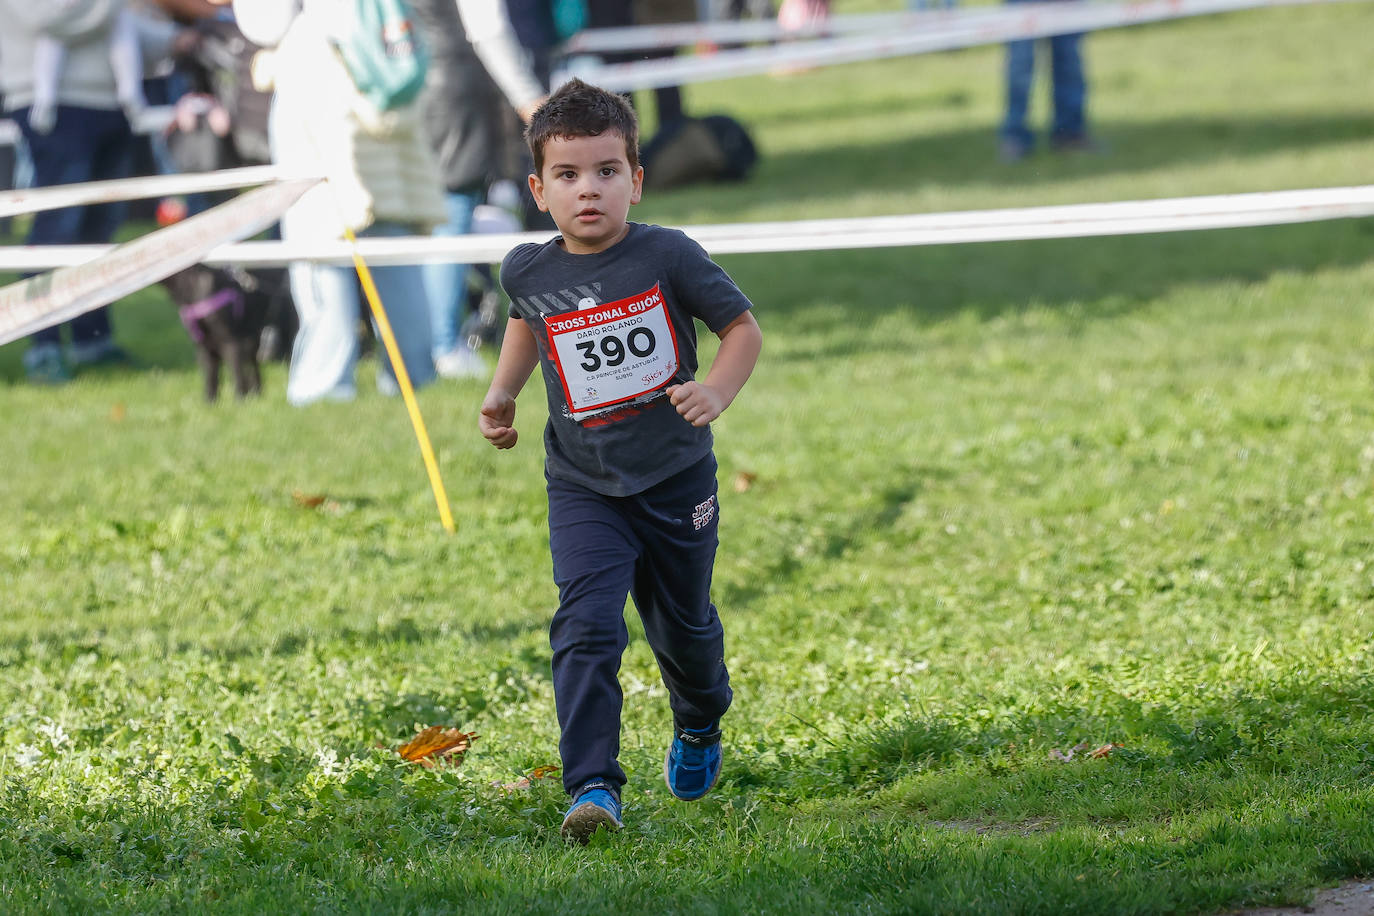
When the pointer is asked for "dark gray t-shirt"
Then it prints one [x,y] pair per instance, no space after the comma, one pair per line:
[613,330]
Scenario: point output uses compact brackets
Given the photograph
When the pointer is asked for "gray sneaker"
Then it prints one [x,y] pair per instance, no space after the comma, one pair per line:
[460,362]
[102,352]
[1010,150]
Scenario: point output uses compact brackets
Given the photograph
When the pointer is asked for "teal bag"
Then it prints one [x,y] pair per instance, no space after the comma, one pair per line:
[382,52]
[569,18]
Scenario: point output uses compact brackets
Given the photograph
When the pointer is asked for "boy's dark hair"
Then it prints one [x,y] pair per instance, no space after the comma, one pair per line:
[577,109]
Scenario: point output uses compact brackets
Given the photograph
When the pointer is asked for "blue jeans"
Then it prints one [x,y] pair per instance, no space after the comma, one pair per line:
[86,144]
[328,300]
[659,547]
[1070,88]
[447,283]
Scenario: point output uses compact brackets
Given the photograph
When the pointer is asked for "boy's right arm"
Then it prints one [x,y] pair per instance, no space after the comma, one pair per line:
[519,356]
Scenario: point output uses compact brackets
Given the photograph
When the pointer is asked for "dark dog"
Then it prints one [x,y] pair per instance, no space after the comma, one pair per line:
[233,316]
[224,313]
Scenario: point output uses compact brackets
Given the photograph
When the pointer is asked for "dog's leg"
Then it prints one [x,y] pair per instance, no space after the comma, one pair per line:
[209,370]
[243,358]
[254,373]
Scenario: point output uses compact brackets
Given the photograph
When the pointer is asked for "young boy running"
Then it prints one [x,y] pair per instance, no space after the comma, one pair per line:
[607,309]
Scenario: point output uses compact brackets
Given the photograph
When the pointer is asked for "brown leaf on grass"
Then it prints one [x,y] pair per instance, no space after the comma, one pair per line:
[308,500]
[437,744]
[1079,749]
[524,782]
[118,412]
[744,480]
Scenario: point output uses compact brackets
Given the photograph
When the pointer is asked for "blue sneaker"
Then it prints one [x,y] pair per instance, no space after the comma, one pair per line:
[692,764]
[595,805]
[43,365]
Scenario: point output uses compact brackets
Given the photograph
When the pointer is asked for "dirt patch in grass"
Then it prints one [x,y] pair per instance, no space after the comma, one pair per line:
[1355,898]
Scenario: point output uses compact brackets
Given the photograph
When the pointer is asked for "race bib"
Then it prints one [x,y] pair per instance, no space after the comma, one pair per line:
[611,353]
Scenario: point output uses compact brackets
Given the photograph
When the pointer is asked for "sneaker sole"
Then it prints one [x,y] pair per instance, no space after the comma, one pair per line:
[667,758]
[584,820]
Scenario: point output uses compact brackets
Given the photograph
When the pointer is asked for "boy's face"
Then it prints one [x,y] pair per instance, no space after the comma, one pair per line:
[587,186]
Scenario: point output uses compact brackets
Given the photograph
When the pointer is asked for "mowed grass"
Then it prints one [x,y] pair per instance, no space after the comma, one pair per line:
[1006,504]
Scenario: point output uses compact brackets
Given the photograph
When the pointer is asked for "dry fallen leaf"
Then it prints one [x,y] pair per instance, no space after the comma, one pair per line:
[1066,756]
[118,412]
[744,480]
[308,500]
[437,744]
[523,782]
[1078,750]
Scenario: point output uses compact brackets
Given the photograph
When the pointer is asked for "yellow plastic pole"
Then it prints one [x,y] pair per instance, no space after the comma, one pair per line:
[374,302]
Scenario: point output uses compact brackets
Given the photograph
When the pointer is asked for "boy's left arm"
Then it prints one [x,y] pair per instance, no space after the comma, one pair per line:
[701,402]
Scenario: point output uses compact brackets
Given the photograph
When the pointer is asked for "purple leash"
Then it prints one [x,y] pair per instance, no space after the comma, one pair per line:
[190,314]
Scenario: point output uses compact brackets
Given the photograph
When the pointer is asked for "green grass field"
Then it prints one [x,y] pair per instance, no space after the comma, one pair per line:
[1008,501]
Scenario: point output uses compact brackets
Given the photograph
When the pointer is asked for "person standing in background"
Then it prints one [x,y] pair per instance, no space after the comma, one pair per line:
[605,14]
[381,180]
[1069,131]
[474,59]
[90,140]
[126,62]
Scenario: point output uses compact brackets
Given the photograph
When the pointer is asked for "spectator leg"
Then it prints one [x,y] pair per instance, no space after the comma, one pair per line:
[1020,68]
[402,290]
[446,283]
[1070,87]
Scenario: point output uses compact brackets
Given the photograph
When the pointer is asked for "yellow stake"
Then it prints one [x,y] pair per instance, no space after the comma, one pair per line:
[374,302]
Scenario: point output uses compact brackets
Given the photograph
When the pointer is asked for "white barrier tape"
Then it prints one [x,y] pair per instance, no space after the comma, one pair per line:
[29,200]
[687,34]
[1020,21]
[42,301]
[154,119]
[1066,221]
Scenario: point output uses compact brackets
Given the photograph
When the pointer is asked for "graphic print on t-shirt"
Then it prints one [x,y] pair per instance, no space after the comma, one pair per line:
[612,353]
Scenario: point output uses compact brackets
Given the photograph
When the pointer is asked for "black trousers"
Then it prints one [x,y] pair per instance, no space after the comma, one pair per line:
[658,547]
[615,13]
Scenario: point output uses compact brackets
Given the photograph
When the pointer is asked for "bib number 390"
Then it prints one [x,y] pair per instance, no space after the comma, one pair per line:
[612,353]
[640,342]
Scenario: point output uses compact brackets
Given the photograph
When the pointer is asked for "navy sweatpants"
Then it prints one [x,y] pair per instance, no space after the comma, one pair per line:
[659,547]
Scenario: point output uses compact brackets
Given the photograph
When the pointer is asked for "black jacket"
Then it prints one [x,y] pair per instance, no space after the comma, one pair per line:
[465,116]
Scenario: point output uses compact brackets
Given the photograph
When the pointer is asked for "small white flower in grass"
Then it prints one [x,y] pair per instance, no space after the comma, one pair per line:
[54,732]
[327,759]
[27,755]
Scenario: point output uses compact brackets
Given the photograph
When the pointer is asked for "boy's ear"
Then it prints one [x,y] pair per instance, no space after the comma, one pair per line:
[638,189]
[537,190]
